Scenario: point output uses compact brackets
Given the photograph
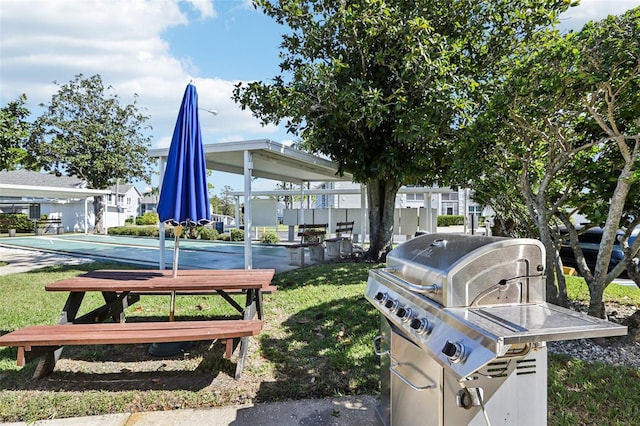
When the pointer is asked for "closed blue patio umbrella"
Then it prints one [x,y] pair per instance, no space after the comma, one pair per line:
[184,200]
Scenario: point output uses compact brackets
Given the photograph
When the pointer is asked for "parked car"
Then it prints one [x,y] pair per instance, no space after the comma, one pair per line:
[589,241]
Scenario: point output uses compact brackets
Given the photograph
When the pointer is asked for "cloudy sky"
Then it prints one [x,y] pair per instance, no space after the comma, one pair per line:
[155,47]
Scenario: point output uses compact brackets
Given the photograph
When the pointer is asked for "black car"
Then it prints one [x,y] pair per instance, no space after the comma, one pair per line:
[589,241]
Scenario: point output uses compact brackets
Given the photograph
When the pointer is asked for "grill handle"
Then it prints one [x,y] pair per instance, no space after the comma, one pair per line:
[394,363]
[376,347]
[406,381]
[388,272]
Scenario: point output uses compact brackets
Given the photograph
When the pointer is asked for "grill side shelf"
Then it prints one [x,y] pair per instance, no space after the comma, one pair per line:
[530,323]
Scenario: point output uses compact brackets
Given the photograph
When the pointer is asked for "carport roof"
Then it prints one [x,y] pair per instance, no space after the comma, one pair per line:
[30,184]
[271,160]
[30,191]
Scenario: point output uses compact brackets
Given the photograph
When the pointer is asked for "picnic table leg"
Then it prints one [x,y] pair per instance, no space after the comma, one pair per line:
[48,360]
[249,313]
[118,303]
[47,363]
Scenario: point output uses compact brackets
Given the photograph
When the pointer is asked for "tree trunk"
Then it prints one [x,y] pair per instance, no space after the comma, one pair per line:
[596,300]
[98,212]
[381,195]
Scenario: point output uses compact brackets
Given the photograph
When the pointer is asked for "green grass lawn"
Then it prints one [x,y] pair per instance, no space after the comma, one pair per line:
[316,343]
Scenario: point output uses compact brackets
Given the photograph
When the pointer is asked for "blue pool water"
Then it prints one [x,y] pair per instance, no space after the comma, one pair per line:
[193,254]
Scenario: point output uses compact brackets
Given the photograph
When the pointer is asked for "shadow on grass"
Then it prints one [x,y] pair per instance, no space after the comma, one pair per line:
[326,351]
[121,368]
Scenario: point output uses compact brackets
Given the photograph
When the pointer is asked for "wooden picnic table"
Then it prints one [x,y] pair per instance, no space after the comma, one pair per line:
[123,288]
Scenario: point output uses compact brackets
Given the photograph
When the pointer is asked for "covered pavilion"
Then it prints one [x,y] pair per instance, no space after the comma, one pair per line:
[262,158]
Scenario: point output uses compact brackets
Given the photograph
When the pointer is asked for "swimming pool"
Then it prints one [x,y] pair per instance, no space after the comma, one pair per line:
[194,254]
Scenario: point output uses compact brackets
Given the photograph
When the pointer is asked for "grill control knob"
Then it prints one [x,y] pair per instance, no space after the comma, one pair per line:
[420,325]
[391,304]
[405,314]
[382,297]
[454,351]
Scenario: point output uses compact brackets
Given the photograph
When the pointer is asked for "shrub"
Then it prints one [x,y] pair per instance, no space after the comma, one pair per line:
[129,221]
[236,235]
[17,221]
[138,231]
[450,220]
[269,237]
[208,233]
[150,218]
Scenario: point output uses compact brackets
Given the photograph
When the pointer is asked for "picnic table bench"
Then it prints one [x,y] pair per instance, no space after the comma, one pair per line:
[37,340]
[342,244]
[44,225]
[311,235]
[121,289]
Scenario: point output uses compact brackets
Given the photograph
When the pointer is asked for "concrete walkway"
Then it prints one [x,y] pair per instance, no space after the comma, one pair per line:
[345,411]
[26,260]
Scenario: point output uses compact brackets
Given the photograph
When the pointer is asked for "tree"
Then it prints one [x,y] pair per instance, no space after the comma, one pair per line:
[14,131]
[516,153]
[86,132]
[564,130]
[382,87]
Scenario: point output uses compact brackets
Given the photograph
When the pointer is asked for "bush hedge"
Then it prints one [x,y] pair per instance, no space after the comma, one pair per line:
[149,218]
[450,220]
[269,237]
[236,235]
[207,233]
[140,231]
[18,221]
[201,232]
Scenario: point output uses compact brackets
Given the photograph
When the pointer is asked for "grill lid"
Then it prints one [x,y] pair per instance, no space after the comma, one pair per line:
[466,270]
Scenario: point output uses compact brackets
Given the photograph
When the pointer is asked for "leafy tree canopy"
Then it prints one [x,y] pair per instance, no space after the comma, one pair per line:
[383,86]
[86,132]
[14,131]
[562,136]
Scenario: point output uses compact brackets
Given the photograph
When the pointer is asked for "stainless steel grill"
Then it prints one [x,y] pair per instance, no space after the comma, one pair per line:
[463,329]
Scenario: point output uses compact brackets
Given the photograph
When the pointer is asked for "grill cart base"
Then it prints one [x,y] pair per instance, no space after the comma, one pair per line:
[511,390]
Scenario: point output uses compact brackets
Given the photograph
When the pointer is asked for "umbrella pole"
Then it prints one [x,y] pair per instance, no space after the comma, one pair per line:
[176,252]
[173,305]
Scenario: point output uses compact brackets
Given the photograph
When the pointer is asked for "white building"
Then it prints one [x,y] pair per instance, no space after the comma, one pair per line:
[65,198]
[124,202]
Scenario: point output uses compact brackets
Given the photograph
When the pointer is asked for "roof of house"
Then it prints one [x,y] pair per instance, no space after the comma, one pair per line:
[29,184]
[122,189]
[31,178]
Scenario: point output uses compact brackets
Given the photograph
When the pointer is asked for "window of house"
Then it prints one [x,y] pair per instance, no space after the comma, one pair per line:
[34,211]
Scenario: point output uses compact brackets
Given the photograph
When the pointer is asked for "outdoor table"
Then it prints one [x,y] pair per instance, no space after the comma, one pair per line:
[122,288]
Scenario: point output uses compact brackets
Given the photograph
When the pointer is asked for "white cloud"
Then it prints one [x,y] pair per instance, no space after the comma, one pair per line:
[122,40]
[594,10]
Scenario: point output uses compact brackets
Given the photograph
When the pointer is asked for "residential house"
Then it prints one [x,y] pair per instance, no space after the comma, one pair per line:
[39,198]
[66,198]
[124,202]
